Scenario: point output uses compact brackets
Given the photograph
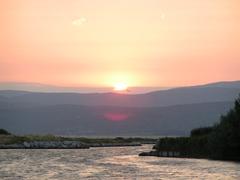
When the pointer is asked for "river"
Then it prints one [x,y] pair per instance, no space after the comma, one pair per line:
[108,163]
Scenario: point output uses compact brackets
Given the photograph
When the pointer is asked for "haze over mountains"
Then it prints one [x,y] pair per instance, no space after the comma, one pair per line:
[165,112]
[38,87]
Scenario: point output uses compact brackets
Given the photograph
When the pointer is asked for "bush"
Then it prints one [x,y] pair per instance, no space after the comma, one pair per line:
[201,131]
[4,132]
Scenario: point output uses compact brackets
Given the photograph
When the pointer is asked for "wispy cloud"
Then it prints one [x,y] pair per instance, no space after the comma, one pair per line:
[79,22]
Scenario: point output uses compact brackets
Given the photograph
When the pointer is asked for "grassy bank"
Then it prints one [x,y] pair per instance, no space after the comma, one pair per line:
[13,139]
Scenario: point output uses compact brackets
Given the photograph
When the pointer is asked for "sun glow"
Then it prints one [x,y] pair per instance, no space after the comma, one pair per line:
[120,86]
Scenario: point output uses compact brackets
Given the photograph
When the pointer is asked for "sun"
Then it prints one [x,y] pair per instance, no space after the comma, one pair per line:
[120,86]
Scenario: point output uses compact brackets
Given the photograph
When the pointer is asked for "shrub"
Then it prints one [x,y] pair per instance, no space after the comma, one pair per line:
[201,131]
[4,132]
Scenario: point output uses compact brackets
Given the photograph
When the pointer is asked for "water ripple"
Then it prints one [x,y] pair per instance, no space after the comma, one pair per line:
[108,163]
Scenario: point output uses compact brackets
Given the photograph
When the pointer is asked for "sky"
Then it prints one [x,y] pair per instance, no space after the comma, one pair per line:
[98,43]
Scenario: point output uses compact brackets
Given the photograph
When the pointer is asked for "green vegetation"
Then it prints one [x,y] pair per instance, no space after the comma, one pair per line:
[187,146]
[12,139]
[222,141]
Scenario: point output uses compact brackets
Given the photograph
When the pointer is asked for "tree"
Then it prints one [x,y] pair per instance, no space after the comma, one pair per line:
[224,141]
[203,131]
[4,132]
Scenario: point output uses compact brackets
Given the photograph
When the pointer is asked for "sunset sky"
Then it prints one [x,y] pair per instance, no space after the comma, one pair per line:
[102,42]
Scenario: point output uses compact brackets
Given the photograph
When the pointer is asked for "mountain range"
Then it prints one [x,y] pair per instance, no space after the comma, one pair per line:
[170,112]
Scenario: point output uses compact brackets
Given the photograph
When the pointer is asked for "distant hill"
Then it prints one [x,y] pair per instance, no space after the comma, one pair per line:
[216,92]
[165,112]
[37,87]
[225,84]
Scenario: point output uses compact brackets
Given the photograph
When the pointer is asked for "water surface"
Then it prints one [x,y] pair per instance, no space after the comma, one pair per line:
[108,163]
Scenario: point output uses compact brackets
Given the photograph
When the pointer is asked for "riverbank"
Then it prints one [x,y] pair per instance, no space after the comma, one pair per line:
[59,142]
[219,142]
[184,147]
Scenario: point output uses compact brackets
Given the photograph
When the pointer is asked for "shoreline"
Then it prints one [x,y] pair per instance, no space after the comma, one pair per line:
[156,154]
[58,142]
[63,145]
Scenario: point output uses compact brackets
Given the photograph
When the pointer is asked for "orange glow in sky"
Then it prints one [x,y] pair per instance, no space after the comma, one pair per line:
[102,42]
[120,86]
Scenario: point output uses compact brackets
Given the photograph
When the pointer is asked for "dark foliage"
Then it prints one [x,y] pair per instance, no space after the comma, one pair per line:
[186,146]
[221,141]
[201,131]
[224,141]
[4,132]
